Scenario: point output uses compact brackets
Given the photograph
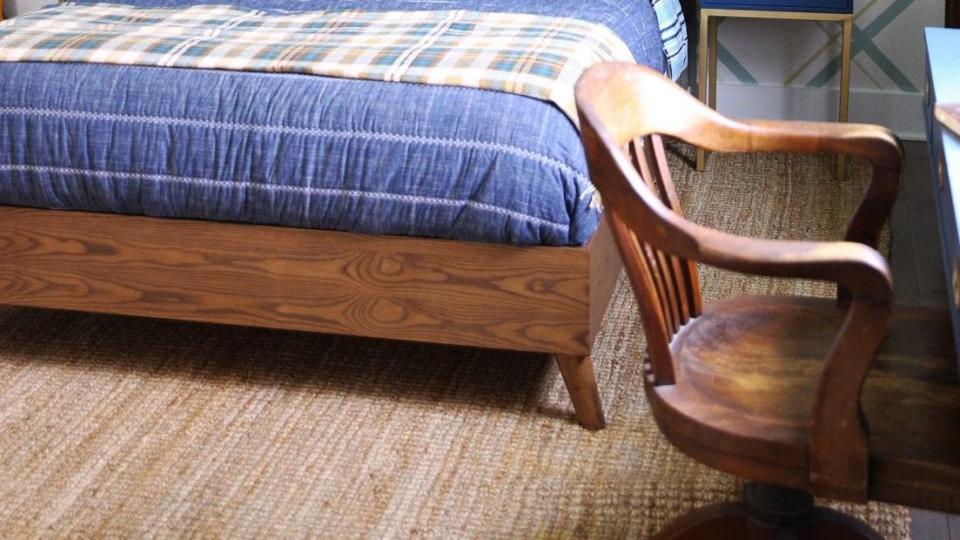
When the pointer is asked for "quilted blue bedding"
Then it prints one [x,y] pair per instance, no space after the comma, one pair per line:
[309,151]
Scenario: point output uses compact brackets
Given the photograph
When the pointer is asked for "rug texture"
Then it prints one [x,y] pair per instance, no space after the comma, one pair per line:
[124,427]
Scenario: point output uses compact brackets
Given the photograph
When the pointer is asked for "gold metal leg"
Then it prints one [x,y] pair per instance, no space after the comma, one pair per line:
[702,77]
[845,85]
[711,80]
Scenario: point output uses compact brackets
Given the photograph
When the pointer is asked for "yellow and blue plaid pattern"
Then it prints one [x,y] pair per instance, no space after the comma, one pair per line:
[532,55]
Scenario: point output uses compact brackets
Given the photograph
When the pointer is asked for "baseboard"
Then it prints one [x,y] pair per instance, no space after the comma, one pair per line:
[900,111]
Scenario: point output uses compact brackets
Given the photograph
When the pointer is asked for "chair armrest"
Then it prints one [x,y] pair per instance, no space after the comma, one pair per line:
[873,143]
[857,267]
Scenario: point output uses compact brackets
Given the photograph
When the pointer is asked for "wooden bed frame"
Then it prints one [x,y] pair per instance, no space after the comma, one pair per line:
[542,299]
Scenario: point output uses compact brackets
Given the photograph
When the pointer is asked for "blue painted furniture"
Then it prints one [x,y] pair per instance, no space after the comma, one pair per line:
[815,6]
[943,86]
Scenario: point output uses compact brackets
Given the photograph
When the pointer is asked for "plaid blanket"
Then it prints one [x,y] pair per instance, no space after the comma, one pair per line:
[532,55]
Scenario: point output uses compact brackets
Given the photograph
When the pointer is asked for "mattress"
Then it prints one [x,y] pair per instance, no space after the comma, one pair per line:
[309,151]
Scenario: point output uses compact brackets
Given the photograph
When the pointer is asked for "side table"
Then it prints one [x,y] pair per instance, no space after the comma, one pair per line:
[839,11]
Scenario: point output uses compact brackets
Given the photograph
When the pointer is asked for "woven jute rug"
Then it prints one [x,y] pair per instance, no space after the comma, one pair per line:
[123,427]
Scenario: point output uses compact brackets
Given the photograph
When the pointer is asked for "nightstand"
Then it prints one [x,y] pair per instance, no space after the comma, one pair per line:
[839,11]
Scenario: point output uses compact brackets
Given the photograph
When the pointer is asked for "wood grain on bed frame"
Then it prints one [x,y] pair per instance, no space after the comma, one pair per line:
[542,299]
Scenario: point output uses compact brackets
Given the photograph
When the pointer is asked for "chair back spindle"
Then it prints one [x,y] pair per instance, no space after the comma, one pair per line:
[666,285]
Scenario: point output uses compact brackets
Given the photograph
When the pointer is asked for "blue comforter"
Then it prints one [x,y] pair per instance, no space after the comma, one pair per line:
[307,151]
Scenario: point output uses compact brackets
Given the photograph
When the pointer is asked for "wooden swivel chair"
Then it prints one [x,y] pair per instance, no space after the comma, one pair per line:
[851,398]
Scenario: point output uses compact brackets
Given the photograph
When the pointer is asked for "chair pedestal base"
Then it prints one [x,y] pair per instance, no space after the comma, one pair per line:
[767,512]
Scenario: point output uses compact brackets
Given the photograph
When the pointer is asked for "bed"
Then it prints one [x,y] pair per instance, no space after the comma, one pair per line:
[416,212]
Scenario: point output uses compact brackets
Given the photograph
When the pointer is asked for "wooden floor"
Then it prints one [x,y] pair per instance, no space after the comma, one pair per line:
[917,264]
[918,278]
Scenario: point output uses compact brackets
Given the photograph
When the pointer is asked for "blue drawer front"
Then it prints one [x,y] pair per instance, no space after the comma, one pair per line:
[824,6]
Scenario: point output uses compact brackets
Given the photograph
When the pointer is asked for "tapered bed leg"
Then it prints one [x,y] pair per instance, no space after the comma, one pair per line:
[581,383]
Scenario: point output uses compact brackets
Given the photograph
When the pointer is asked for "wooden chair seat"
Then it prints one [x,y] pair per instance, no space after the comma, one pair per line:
[747,371]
